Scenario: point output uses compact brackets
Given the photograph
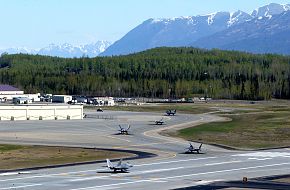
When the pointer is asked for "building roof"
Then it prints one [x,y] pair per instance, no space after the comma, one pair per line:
[5,87]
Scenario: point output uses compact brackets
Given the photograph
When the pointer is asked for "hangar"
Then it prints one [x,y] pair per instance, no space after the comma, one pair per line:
[41,112]
[7,92]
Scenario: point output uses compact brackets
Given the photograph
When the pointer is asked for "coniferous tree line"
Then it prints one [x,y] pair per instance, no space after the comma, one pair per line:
[159,72]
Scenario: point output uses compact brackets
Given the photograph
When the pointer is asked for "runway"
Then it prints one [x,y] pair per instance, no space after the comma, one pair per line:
[169,170]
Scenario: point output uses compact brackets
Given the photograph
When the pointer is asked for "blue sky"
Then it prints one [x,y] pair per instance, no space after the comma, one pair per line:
[37,23]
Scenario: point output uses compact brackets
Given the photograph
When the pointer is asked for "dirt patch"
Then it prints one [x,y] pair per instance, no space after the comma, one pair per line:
[36,156]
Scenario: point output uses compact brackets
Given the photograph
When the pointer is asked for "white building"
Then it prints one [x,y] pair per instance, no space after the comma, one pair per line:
[22,100]
[104,101]
[7,92]
[41,112]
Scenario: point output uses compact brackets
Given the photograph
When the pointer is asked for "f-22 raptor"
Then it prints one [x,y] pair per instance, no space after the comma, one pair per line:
[191,149]
[159,122]
[122,167]
[171,112]
[124,131]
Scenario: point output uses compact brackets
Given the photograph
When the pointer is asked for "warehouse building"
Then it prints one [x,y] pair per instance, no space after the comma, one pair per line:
[7,92]
[41,112]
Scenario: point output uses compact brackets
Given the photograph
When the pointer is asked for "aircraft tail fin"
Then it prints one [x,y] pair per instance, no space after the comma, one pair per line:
[200,146]
[128,127]
[120,162]
[109,164]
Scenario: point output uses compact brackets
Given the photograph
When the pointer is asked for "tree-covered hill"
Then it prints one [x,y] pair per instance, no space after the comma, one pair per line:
[159,72]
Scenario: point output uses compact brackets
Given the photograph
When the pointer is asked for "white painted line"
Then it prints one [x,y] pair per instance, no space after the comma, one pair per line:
[204,182]
[222,171]
[175,161]
[131,173]
[13,173]
[84,171]
[265,154]
[116,184]
[174,177]
[260,159]
[88,178]
[155,171]
[51,175]
[22,186]
[117,138]
[220,163]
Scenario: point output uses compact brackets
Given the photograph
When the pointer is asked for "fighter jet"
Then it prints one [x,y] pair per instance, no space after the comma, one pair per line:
[171,112]
[124,131]
[191,149]
[122,167]
[159,122]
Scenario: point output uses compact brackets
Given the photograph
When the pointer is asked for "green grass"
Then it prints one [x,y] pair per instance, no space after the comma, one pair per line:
[161,108]
[8,147]
[262,130]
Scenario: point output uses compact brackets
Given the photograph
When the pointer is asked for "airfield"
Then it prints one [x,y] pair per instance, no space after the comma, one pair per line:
[169,168]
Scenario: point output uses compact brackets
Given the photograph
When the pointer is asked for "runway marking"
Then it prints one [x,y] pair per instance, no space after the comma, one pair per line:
[88,178]
[174,161]
[229,170]
[13,173]
[131,173]
[148,144]
[118,138]
[204,182]
[260,159]
[22,186]
[51,175]
[156,170]
[84,171]
[117,184]
[188,175]
[220,163]
[266,154]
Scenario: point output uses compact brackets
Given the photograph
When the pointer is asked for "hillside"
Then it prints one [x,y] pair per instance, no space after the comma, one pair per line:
[160,72]
[265,30]
[258,36]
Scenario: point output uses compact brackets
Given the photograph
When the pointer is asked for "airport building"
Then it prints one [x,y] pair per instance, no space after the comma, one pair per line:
[41,112]
[104,101]
[7,92]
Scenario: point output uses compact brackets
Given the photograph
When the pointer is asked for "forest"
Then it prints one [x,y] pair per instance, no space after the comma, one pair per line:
[157,73]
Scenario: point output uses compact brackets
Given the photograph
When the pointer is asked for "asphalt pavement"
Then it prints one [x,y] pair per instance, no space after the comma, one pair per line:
[170,169]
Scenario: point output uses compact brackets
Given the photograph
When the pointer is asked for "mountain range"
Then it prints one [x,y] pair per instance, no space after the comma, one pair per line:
[265,30]
[64,50]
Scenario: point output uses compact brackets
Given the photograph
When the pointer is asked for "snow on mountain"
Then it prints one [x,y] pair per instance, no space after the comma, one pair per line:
[15,50]
[238,17]
[64,50]
[270,10]
[256,36]
[182,31]
[68,50]
[173,32]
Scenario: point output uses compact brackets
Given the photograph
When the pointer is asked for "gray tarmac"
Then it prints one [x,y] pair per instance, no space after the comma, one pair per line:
[170,169]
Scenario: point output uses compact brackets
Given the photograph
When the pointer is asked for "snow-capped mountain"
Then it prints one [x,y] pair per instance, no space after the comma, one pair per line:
[64,50]
[269,10]
[174,32]
[257,36]
[15,50]
[185,31]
